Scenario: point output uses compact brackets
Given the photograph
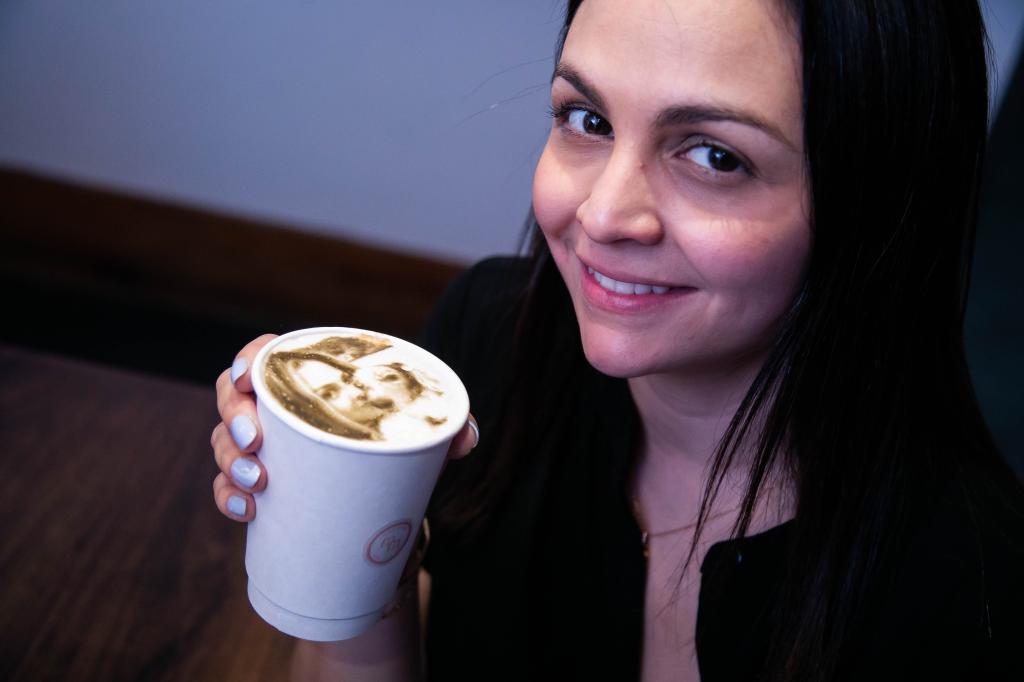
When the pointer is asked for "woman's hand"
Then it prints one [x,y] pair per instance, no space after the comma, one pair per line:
[238,436]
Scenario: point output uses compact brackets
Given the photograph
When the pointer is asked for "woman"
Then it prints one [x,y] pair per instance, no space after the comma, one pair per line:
[734,437]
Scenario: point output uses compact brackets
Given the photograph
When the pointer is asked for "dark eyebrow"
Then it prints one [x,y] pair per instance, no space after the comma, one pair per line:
[577,81]
[675,115]
[696,113]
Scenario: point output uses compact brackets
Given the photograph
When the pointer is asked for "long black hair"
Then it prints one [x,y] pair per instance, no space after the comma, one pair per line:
[865,401]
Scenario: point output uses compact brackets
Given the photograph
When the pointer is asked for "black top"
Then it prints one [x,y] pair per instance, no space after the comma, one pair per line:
[555,588]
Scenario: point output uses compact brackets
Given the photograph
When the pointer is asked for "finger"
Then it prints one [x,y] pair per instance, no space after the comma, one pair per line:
[239,373]
[245,471]
[465,440]
[225,389]
[233,503]
[243,425]
[238,411]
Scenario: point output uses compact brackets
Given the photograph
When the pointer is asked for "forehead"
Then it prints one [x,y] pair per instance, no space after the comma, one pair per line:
[648,54]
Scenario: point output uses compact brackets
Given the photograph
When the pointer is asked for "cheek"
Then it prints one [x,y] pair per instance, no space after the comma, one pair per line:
[759,239]
[765,261]
[555,195]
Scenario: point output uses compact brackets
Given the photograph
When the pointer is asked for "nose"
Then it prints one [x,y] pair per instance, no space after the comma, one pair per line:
[621,203]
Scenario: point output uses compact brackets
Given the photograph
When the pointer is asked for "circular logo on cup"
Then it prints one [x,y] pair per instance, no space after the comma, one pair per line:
[388,542]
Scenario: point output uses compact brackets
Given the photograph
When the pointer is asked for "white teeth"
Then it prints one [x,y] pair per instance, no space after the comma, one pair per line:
[624,287]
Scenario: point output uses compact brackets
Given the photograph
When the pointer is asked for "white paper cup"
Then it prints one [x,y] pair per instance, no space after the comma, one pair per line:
[339,517]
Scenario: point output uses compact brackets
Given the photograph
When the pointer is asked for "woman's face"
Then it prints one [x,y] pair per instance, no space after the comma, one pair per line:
[672,191]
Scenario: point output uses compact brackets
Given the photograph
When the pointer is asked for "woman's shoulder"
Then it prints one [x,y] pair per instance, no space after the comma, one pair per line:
[493,275]
[974,536]
[476,314]
[955,601]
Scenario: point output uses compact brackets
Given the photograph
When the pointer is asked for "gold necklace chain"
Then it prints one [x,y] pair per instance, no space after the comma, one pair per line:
[646,535]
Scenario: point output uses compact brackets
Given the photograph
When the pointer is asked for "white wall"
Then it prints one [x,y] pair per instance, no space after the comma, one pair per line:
[1004,21]
[414,125]
[370,119]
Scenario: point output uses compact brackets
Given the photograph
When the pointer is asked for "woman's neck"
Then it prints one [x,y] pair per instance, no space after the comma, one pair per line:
[683,420]
[684,417]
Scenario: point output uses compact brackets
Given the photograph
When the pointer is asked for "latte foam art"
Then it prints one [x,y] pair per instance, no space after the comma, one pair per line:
[359,386]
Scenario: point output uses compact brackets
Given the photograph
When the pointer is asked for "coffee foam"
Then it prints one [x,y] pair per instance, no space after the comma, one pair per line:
[360,386]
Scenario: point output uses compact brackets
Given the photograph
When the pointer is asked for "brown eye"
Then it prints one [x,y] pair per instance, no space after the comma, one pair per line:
[715,158]
[721,160]
[588,122]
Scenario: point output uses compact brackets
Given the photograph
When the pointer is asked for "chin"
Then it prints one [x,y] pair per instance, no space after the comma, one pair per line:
[616,357]
[617,350]
[626,355]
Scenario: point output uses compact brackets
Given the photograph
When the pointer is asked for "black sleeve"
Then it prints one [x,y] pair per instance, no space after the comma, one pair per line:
[471,330]
[439,335]
[473,317]
[956,608]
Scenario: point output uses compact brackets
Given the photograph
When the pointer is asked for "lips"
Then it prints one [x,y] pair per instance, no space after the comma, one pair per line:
[628,288]
[623,295]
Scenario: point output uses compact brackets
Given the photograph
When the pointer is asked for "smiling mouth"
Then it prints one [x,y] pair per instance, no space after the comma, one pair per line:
[627,288]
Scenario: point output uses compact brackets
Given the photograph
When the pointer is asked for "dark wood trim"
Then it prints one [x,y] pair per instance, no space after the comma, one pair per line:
[208,261]
[67,241]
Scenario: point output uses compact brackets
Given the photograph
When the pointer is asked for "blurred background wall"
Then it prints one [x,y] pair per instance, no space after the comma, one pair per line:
[409,128]
[994,327]
[413,125]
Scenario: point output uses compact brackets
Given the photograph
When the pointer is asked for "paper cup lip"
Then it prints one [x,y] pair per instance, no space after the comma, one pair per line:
[460,412]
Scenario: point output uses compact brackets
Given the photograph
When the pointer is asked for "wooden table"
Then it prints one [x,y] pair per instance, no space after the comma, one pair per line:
[114,562]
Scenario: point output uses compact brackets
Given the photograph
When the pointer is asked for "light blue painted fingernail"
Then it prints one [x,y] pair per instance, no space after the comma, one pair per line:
[236,505]
[245,472]
[238,368]
[243,431]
